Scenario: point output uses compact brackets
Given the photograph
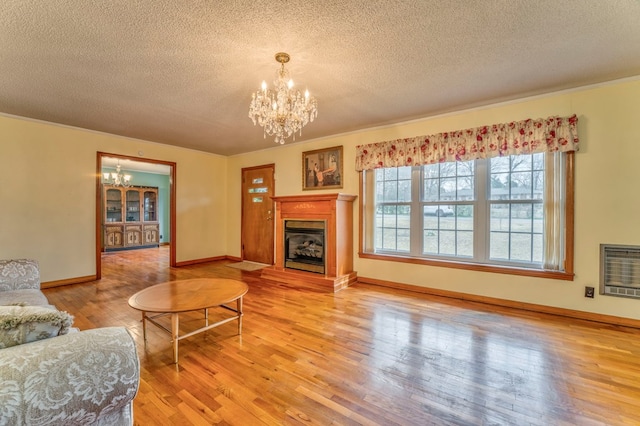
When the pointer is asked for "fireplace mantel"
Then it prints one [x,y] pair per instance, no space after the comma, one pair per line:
[337,212]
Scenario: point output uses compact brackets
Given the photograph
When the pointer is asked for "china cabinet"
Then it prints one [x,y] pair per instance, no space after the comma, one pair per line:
[130,217]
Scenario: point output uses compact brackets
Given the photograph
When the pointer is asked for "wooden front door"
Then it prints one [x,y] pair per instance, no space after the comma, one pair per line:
[258,213]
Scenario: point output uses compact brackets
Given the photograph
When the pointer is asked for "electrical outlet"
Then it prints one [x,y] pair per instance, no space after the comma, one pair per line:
[589,292]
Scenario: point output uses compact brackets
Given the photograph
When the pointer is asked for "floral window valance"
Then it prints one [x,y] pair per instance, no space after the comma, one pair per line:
[518,137]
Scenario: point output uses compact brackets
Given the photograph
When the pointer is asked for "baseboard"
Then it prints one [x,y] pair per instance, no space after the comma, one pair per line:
[571,313]
[77,280]
[197,261]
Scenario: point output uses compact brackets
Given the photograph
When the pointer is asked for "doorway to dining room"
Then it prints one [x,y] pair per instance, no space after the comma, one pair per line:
[140,168]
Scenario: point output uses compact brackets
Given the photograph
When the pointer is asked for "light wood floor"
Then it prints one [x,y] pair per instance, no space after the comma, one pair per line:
[366,355]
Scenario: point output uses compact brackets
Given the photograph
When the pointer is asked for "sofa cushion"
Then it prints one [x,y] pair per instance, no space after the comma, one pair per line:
[24,296]
[24,324]
[18,274]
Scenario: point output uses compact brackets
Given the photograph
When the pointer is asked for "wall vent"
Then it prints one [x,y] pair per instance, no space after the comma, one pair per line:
[620,270]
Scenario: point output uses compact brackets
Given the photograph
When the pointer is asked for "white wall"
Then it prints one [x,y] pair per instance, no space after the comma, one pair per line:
[48,192]
[607,208]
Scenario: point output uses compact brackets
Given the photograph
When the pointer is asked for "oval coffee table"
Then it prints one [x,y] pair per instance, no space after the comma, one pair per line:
[174,297]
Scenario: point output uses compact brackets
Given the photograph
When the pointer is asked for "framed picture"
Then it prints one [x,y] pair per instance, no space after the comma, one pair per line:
[322,168]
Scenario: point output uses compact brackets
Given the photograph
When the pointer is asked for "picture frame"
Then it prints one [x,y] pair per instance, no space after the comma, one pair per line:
[322,168]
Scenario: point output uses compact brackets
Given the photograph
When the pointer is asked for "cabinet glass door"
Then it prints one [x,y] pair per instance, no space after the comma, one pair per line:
[114,205]
[133,205]
[150,201]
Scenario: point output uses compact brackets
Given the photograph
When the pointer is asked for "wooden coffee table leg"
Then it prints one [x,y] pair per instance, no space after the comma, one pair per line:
[144,326]
[239,307]
[174,335]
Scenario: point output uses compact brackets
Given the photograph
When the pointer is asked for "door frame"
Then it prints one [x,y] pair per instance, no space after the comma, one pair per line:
[172,205]
[262,166]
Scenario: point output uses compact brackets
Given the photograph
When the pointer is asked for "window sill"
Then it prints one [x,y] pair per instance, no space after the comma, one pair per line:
[537,273]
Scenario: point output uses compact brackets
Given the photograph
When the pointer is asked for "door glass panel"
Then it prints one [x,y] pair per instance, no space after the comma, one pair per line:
[258,190]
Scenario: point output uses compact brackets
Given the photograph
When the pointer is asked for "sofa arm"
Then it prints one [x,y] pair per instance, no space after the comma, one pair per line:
[19,274]
[86,377]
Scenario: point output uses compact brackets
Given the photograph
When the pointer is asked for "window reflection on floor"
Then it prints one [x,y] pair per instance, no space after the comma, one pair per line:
[417,357]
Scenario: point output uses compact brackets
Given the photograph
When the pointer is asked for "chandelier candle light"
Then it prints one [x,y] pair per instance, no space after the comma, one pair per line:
[284,111]
[118,178]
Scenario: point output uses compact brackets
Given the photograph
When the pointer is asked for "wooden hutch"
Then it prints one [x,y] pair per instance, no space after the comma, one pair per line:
[130,217]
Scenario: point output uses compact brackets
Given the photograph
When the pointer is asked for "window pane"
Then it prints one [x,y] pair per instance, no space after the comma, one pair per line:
[537,248]
[538,218]
[516,232]
[392,228]
[390,174]
[521,184]
[464,213]
[448,243]
[448,189]
[538,185]
[448,181]
[393,185]
[465,243]
[520,162]
[499,189]
[520,247]
[538,161]
[465,189]
[404,190]
[515,178]
[499,246]
[500,164]
[431,171]
[449,235]
[388,239]
[404,173]
[521,218]
[390,191]
[447,169]
[431,189]
[499,217]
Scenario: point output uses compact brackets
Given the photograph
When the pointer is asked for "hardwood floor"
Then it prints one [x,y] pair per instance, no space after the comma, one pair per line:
[365,355]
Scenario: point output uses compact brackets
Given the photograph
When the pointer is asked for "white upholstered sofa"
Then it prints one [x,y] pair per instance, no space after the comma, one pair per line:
[52,374]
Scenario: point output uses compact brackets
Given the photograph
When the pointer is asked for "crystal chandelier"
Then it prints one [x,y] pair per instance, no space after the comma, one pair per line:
[283,111]
[118,178]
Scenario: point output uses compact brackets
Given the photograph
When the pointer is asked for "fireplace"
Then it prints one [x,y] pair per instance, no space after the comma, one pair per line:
[314,241]
[304,245]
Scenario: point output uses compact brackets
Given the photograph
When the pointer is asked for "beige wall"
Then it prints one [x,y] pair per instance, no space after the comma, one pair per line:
[47,195]
[607,206]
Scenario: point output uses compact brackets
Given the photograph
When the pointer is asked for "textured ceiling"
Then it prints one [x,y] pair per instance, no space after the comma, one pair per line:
[182,72]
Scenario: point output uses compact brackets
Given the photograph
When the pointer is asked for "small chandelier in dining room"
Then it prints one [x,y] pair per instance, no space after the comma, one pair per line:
[117,178]
[283,111]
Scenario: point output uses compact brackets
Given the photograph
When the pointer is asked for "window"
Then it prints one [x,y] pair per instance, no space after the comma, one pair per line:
[504,214]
